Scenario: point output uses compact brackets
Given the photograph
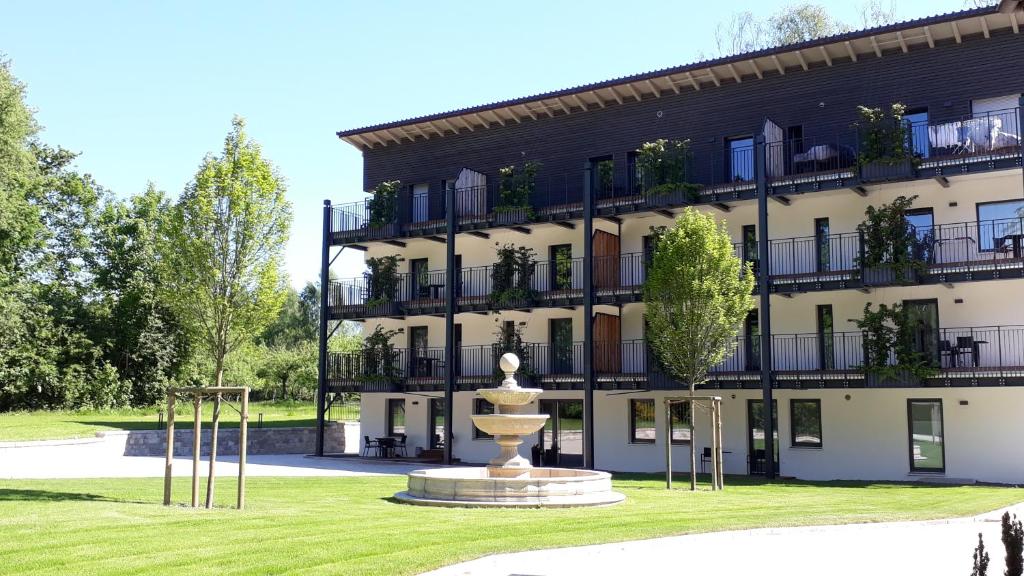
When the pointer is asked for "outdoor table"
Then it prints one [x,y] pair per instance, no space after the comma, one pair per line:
[975,352]
[387,446]
[1016,241]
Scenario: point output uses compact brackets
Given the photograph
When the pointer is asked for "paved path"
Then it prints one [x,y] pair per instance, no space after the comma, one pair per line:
[933,548]
[103,458]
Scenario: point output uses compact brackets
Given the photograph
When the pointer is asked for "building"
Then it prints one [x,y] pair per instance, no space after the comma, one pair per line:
[771,150]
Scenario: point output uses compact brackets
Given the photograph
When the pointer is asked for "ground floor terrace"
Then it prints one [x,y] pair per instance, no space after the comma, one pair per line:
[939,434]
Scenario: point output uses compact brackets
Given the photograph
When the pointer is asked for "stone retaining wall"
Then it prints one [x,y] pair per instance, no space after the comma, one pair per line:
[261,441]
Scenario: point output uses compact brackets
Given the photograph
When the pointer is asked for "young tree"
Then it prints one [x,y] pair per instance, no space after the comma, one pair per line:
[222,249]
[697,292]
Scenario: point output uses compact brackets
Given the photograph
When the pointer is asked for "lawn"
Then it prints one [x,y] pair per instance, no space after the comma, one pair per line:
[53,425]
[350,526]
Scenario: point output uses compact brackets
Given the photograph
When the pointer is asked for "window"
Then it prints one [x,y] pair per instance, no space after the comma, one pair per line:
[396,416]
[561,348]
[481,406]
[739,158]
[1000,225]
[437,422]
[561,267]
[826,337]
[927,445]
[681,423]
[917,125]
[805,416]
[822,247]
[420,202]
[641,422]
[752,342]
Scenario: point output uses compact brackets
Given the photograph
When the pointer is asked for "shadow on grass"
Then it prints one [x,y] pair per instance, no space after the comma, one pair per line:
[187,425]
[682,480]
[13,495]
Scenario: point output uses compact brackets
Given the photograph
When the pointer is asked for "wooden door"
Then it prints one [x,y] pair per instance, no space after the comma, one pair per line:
[606,259]
[607,344]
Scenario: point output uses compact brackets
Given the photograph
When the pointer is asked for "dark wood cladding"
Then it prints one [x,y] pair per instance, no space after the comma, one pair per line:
[822,100]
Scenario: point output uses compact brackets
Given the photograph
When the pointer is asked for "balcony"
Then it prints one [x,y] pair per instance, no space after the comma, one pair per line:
[793,165]
[971,356]
[550,283]
[541,364]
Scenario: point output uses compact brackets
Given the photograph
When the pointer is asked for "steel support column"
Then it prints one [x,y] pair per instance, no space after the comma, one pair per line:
[588,319]
[321,394]
[1020,122]
[449,322]
[764,317]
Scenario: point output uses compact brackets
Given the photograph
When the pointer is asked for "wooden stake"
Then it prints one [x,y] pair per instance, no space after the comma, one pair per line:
[243,437]
[714,448]
[170,448]
[719,452]
[211,477]
[196,429]
[668,445]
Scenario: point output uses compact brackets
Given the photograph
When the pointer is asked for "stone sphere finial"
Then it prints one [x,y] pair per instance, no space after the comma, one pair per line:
[508,363]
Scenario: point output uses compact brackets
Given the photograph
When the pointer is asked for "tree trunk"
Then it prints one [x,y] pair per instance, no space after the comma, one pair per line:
[214,430]
[693,444]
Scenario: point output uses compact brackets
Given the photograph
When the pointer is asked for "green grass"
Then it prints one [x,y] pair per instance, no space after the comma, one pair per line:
[351,526]
[60,424]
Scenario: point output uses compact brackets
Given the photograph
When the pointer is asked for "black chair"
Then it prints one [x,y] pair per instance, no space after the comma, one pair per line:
[705,458]
[400,445]
[370,445]
[755,462]
[946,350]
[965,346]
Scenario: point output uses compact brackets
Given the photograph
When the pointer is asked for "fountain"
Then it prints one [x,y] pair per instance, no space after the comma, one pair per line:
[509,480]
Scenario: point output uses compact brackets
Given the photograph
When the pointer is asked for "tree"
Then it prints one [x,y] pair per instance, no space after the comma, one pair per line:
[981,559]
[222,250]
[1013,542]
[297,321]
[696,294]
[291,366]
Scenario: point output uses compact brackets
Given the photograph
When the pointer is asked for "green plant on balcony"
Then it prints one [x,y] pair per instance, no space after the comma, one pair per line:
[512,275]
[889,242]
[383,206]
[664,167]
[509,338]
[515,187]
[884,136]
[382,279]
[606,175]
[380,358]
[563,270]
[894,345]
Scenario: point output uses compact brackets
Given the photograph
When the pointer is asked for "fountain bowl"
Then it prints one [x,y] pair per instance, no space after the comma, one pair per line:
[509,396]
[508,424]
[532,488]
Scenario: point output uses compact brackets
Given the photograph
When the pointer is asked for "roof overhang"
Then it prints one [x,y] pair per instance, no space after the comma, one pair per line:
[921,34]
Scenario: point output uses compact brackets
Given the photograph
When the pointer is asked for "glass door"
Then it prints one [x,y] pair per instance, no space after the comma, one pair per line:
[436,434]
[755,436]
[750,253]
[420,363]
[826,338]
[420,209]
[561,439]
[420,279]
[823,254]
[923,323]
[561,267]
[752,342]
[560,333]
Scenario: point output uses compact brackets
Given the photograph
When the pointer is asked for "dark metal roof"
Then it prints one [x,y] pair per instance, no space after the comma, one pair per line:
[1004,6]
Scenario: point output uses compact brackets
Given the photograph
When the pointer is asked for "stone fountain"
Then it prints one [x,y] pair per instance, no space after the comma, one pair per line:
[509,480]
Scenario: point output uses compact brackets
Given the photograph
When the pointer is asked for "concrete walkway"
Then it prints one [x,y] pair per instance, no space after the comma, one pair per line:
[104,458]
[934,548]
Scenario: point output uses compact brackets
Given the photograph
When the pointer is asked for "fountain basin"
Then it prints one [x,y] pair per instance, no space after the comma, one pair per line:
[510,396]
[509,424]
[532,488]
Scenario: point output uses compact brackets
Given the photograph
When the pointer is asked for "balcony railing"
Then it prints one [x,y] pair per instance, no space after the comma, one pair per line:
[956,353]
[965,139]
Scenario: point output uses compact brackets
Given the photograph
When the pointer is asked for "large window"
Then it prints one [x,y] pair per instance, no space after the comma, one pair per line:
[641,421]
[396,417]
[927,444]
[1000,225]
[805,416]
[481,406]
[681,423]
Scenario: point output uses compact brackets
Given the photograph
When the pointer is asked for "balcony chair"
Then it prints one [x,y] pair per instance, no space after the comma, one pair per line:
[946,351]
[369,445]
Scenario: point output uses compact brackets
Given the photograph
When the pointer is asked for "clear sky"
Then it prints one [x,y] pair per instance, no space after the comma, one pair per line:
[144,89]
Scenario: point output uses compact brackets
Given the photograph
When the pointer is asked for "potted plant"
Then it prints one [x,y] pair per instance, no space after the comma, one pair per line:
[886,146]
[891,354]
[664,170]
[380,370]
[383,206]
[512,276]
[891,250]
[382,281]
[515,188]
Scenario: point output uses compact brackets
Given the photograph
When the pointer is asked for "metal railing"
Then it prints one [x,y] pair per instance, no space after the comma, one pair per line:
[810,158]
[961,139]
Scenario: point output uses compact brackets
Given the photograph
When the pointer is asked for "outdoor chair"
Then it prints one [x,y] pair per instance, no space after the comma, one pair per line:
[369,445]
[400,445]
[705,458]
[946,351]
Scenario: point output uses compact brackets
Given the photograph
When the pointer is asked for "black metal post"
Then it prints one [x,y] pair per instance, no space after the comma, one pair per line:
[764,318]
[1020,123]
[449,322]
[325,264]
[588,319]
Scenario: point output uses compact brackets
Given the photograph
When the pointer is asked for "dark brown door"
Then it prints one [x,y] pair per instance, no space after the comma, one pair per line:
[607,344]
[606,259]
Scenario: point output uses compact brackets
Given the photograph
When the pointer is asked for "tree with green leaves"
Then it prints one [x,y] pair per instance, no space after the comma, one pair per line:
[221,253]
[697,293]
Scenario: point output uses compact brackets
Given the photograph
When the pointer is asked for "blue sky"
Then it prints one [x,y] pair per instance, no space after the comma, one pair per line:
[144,89]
